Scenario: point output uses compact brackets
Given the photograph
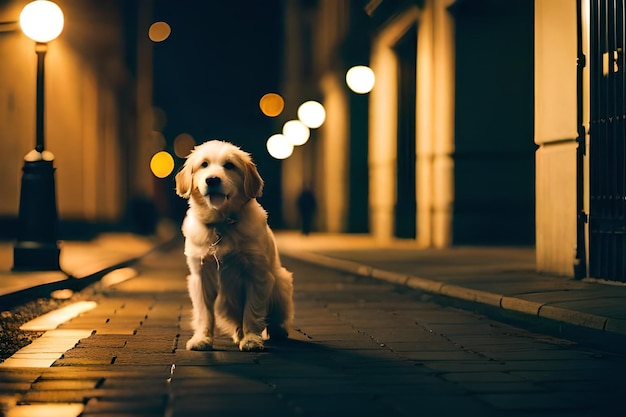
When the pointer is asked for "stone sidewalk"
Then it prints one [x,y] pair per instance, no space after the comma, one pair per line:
[498,277]
[503,278]
[82,262]
[358,347]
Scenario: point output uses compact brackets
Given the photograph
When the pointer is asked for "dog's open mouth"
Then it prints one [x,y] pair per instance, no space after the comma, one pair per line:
[217,199]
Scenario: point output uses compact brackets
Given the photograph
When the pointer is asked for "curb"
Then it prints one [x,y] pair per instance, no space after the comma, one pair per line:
[73,282]
[505,303]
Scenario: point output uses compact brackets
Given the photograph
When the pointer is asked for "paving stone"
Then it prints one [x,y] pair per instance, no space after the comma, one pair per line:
[357,348]
[85,361]
[65,384]
[231,405]
[433,404]
[119,382]
[103,341]
[471,378]
[535,402]
[57,396]
[11,387]
[439,345]
[500,387]
[467,366]
[27,363]
[435,355]
[106,371]
[136,406]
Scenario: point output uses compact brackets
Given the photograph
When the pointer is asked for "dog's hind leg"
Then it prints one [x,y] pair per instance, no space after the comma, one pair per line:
[281,310]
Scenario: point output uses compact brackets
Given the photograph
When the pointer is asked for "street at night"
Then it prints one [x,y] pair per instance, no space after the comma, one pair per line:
[358,346]
[445,179]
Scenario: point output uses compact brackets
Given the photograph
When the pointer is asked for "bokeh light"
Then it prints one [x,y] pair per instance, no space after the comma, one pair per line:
[159,31]
[162,164]
[183,145]
[42,21]
[296,131]
[360,79]
[272,104]
[279,146]
[312,114]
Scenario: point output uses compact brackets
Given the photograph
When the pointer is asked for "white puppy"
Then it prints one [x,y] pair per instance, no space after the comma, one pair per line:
[236,278]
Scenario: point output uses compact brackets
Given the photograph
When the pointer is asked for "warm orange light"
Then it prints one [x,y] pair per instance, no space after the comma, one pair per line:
[47,410]
[162,164]
[159,31]
[272,104]
[183,144]
[41,20]
[55,318]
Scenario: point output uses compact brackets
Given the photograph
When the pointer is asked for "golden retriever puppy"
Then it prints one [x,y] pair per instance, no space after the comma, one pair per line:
[236,280]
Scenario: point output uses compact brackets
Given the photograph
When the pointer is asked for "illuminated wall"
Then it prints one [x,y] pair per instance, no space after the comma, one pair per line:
[434,125]
[555,134]
[93,124]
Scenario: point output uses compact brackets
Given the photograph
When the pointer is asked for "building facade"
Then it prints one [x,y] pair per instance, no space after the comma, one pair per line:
[441,150]
[491,122]
[97,110]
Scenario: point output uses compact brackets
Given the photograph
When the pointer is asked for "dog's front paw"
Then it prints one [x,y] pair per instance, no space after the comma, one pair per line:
[237,335]
[200,343]
[251,343]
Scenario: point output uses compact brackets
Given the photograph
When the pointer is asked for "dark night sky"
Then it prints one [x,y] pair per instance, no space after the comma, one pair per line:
[220,58]
[209,75]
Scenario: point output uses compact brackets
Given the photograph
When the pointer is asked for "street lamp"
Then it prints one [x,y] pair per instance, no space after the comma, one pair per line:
[37,247]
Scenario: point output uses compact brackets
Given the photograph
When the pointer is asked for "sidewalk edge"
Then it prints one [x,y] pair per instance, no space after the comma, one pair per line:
[74,283]
[506,303]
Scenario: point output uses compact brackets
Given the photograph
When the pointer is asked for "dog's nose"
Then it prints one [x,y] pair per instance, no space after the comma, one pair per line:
[213,181]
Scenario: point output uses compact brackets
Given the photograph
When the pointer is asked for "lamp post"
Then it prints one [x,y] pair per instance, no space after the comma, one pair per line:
[37,247]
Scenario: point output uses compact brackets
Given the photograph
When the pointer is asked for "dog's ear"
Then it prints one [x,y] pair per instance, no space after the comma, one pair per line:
[184,181]
[252,181]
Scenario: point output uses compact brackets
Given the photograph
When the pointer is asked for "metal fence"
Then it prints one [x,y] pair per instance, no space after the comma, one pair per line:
[607,145]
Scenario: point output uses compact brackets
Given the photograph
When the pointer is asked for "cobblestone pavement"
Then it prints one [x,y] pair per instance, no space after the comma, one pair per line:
[359,347]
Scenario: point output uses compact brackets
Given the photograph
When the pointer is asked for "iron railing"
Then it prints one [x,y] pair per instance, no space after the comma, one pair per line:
[607,144]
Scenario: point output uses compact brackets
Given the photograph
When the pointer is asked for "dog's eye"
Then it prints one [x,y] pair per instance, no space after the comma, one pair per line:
[229,165]
[204,164]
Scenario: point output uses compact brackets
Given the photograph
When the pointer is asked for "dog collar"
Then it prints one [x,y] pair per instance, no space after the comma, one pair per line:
[220,229]
[222,225]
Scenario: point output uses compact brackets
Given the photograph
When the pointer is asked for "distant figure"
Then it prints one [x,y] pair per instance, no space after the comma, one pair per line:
[306,206]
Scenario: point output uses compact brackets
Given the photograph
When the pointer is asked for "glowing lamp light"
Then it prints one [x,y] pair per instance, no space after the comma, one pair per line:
[272,104]
[159,31]
[42,21]
[360,79]
[162,164]
[279,146]
[312,114]
[296,131]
